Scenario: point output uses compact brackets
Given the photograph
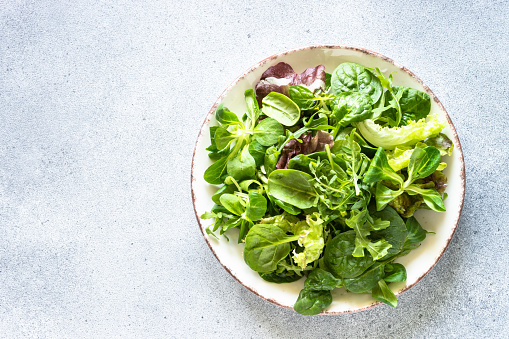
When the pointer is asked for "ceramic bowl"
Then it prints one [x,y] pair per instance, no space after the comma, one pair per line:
[418,262]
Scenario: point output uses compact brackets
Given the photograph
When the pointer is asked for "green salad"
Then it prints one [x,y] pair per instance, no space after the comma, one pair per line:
[321,175]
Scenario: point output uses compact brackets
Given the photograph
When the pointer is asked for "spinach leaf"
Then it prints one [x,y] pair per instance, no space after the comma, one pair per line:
[383,293]
[393,100]
[256,206]
[367,280]
[352,77]
[278,106]
[350,107]
[395,273]
[266,245]
[395,234]
[312,302]
[267,132]
[280,278]
[302,96]
[301,162]
[415,233]
[379,170]
[321,280]
[338,257]
[328,78]
[242,166]
[293,187]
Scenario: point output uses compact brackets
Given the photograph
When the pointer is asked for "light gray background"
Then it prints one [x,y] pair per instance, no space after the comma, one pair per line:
[100,106]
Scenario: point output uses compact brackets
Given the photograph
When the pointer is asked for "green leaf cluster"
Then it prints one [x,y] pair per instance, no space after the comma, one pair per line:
[338,213]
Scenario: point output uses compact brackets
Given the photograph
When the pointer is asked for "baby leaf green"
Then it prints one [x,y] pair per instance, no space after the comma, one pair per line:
[321,280]
[278,106]
[216,172]
[395,273]
[253,111]
[423,162]
[350,76]
[267,132]
[302,96]
[256,206]
[225,117]
[232,203]
[312,302]
[266,245]
[350,107]
[242,166]
[293,187]
[383,293]
[222,138]
[367,280]
[338,256]
[379,170]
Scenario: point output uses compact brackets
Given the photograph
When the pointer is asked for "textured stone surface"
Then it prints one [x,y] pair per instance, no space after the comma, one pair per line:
[100,105]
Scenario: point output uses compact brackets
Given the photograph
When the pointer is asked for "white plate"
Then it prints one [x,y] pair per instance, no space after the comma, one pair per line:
[417,263]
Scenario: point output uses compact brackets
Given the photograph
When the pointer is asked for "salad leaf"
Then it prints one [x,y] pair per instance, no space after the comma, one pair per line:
[321,280]
[293,187]
[379,170]
[395,273]
[302,96]
[310,233]
[256,206]
[266,245]
[225,117]
[350,107]
[415,105]
[395,234]
[383,293]
[360,222]
[281,108]
[242,166]
[338,258]
[279,77]
[280,278]
[306,144]
[352,77]
[312,302]
[366,281]
[267,132]
[389,138]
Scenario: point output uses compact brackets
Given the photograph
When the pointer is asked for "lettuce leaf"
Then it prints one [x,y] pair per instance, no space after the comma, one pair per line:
[390,138]
[310,233]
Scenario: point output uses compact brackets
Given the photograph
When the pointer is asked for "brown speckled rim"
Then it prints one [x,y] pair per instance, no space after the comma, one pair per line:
[457,146]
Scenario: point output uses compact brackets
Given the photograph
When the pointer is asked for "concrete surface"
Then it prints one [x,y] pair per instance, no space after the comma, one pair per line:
[100,105]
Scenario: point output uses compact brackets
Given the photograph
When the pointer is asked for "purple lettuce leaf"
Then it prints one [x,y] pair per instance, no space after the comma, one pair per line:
[279,77]
[310,144]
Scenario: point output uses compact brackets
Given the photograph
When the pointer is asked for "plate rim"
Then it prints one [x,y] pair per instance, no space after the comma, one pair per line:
[457,146]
